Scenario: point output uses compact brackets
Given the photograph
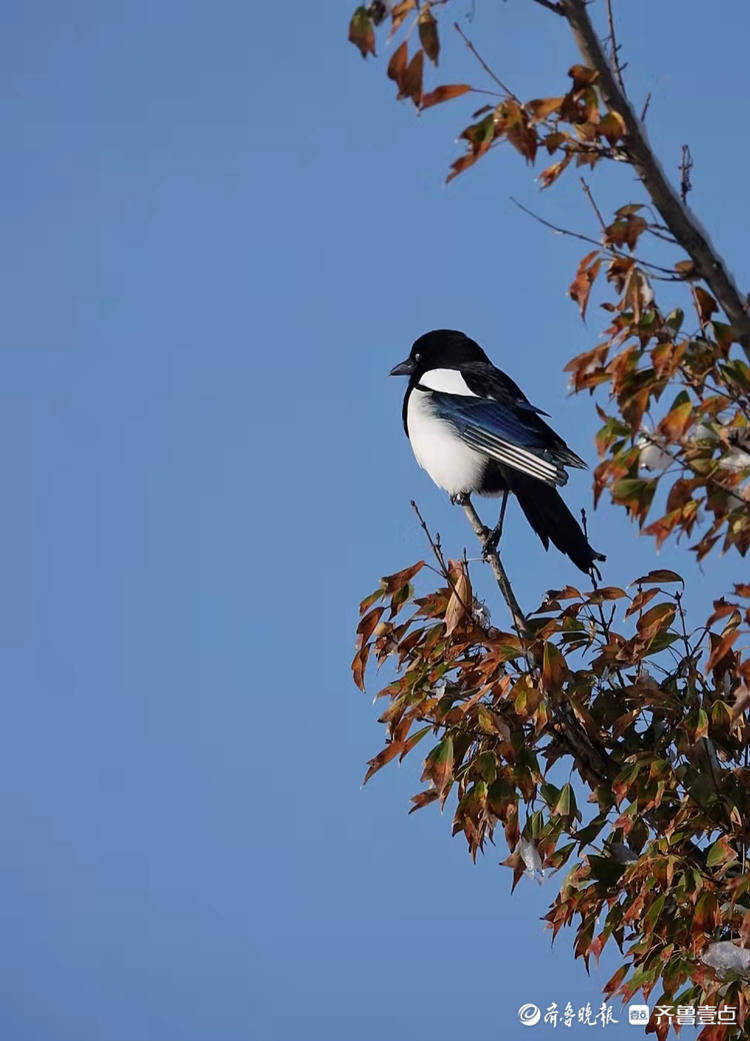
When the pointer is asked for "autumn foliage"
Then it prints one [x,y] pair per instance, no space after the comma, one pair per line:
[650,709]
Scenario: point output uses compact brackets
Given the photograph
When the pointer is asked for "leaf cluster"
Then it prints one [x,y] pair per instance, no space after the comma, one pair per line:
[653,716]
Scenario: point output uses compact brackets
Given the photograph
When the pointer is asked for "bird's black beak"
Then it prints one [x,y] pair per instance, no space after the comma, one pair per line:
[404,368]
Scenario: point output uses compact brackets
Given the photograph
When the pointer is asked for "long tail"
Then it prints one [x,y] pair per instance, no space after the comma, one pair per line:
[552,520]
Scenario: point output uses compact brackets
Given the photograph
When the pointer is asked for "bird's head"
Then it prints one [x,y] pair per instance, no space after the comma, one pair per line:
[440,349]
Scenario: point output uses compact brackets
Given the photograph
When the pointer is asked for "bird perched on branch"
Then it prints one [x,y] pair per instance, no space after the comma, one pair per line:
[473,430]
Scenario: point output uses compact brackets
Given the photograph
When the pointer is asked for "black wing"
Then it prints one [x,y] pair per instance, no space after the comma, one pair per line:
[502,423]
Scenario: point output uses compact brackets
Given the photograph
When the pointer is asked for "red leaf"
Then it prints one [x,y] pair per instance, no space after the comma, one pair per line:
[705,304]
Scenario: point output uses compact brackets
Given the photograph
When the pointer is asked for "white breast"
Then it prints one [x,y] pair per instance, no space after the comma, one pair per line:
[439,450]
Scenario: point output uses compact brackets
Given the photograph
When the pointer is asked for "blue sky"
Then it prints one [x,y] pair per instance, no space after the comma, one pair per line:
[219,233]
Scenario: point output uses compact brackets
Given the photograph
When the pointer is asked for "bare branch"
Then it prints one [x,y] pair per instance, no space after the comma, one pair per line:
[483,63]
[665,275]
[686,168]
[438,553]
[596,209]
[555,227]
[614,47]
[493,559]
[676,215]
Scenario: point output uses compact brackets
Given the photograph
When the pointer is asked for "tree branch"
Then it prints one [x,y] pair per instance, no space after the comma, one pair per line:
[676,215]
[493,559]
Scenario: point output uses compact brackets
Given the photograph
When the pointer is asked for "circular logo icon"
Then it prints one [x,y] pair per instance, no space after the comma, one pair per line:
[529,1014]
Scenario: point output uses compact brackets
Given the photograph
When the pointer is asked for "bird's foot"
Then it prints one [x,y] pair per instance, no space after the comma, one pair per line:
[460,498]
[491,540]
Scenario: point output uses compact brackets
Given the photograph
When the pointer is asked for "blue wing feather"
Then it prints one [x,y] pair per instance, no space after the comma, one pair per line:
[511,432]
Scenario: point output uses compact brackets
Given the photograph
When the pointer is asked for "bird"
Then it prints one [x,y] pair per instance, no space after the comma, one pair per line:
[474,431]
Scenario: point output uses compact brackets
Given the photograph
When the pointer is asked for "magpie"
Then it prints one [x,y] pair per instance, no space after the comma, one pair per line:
[473,430]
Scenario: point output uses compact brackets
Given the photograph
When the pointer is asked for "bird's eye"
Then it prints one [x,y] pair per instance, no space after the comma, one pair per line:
[417,356]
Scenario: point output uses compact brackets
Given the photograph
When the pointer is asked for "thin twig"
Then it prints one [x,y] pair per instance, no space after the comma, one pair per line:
[554,227]
[483,63]
[667,274]
[590,197]
[445,570]
[614,47]
[686,168]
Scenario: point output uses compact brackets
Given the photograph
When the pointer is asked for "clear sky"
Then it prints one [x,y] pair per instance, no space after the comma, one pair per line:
[219,233]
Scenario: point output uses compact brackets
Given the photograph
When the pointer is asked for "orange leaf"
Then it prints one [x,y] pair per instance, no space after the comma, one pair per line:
[367,626]
[549,175]
[582,76]
[540,108]
[554,668]
[660,575]
[411,84]
[580,288]
[461,164]
[438,766]
[359,664]
[445,93]
[400,12]
[397,65]
[676,422]
[612,126]
[389,752]
[655,620]
[461,597]
[720,647]
[392,583]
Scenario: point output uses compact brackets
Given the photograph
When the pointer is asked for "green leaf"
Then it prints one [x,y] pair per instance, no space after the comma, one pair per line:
[675,319]
[438,766]
[362,31]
